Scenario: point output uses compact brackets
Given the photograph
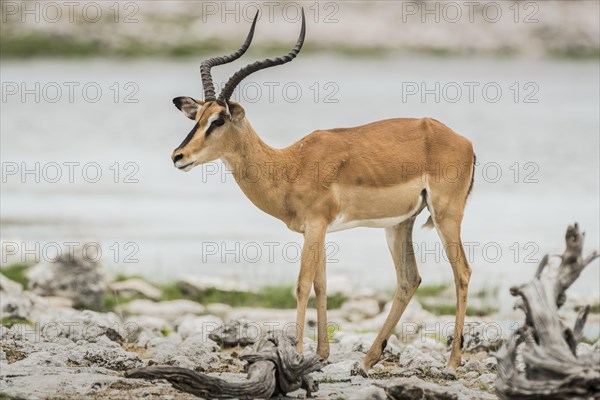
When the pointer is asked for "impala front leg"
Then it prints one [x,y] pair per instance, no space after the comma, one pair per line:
[312,257]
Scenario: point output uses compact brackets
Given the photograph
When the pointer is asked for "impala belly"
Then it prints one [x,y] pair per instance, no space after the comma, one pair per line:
[377,208]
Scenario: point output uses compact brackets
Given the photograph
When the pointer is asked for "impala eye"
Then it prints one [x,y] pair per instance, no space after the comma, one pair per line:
[215,124]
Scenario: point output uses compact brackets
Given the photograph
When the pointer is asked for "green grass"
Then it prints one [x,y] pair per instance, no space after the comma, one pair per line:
[120,277]
[588,340]
[165,332]
[331,331]
[44,44]
[267,297]
[437,300]
[487,293]
[595,308]
[432,290]
[450,309]
[9,322]
[328,379]
[16,272]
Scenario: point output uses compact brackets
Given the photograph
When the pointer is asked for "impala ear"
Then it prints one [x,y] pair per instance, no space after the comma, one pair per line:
[236,110]
[188,106]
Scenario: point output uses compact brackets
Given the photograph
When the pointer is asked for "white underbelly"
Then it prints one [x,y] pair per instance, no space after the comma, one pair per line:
[341,222]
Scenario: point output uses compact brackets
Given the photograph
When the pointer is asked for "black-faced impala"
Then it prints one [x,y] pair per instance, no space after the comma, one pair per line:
[382,175]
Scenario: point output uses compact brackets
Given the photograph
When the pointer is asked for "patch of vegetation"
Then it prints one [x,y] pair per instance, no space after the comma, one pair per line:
[165,332]
[328,379]
[588,340]
[9,322]
[112,300]
[485,388]
[595,308]
[267,297]
[44,44]
[382,374]
[575,52]
[431,290]
[487,293]
[38,44]
[4,396]
[432,299]
[331,331]
[16,272]
[450,309]
[120,277]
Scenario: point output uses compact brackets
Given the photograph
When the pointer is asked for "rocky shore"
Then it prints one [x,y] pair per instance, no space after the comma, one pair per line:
[184,28]
[52,345]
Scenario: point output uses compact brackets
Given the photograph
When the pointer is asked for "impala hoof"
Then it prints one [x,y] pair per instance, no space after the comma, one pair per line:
[449,372]
[359,369]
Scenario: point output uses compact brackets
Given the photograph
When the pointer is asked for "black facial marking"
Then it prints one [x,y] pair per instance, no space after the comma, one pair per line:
[189,137]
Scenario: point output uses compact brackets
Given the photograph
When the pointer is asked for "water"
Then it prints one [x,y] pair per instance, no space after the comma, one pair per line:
[171,224]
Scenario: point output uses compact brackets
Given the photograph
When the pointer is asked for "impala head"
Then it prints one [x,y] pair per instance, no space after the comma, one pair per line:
[218,120]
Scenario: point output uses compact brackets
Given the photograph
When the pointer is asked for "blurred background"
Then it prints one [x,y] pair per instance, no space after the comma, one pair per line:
[87,128]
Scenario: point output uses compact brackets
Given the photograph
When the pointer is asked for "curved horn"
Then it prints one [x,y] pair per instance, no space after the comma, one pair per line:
[258,65]
[207,82]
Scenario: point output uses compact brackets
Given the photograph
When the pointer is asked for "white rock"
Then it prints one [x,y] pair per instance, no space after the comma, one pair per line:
[104,353]
[145,327]
[169,310]
[135,286]
[78,325]
[338,371]
[218,309]
[9,286]
[357,310]
[473,365]
[429,344]
[413,358]
[490,363]
[14,302]
[413,387]
[194,284]
[203,325]
[349,342]
[479,336]
[73,275]
[58,302]
[471,375]
[195,352]
[487,379]
[369,393]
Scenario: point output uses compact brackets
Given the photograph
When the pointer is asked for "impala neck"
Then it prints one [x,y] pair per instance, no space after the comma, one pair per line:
[256,167]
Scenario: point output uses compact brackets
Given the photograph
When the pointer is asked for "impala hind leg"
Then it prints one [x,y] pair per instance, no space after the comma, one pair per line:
[313,256]
[321,295]
[449,231]
[399,239]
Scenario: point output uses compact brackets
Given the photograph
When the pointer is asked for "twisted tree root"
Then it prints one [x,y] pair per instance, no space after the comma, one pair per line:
[275,368]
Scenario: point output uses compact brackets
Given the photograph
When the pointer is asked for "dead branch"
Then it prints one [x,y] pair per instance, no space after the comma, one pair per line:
[552,369]
[275,368]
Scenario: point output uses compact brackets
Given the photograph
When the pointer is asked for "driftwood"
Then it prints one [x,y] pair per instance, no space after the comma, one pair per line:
[275,368]
[552,367]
